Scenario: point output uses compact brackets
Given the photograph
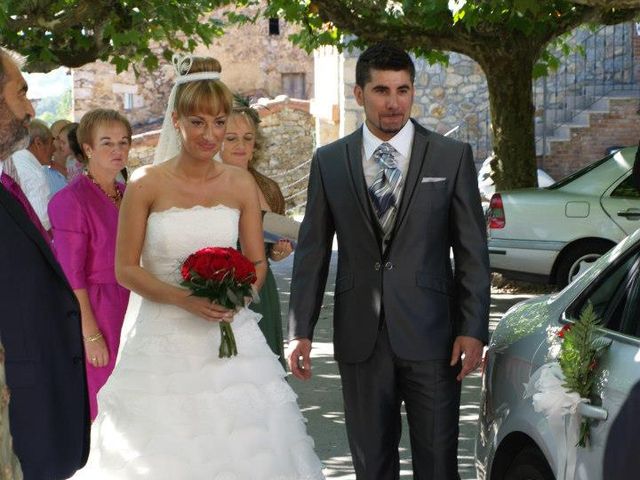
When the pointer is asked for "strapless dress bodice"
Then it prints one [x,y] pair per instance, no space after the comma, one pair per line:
[174,234]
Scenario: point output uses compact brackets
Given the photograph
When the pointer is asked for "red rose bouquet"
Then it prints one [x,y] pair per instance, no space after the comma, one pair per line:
[224,276]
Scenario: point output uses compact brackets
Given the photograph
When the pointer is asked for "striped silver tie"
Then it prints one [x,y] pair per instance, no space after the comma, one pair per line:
[385,187]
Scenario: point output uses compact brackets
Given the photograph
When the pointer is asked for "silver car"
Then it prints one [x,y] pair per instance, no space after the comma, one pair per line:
[516,443]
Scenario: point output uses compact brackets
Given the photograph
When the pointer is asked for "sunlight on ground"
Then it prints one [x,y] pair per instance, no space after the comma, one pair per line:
[321,397]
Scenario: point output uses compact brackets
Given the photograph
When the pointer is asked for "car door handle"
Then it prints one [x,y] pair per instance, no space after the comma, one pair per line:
[633,213]
[591,411]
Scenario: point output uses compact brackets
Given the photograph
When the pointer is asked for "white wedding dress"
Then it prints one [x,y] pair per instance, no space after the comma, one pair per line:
[172,409]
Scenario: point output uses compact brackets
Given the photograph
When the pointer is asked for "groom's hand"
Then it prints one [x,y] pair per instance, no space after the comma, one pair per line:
[300,358]
[471,348]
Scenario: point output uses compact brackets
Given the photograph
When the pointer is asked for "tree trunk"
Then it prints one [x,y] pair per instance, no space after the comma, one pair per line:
[509,81]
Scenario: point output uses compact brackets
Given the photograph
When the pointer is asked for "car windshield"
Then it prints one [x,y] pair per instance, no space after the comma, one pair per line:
[579,173]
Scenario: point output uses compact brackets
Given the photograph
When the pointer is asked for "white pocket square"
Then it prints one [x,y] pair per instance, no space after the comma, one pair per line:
[433,179]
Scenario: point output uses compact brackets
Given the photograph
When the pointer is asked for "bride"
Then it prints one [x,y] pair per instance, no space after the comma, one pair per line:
[172,409]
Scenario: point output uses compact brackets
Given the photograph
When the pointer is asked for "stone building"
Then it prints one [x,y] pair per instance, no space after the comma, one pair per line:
[257,60]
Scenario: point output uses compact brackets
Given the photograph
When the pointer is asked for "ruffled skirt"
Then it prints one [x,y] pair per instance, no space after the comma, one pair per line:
[173,410]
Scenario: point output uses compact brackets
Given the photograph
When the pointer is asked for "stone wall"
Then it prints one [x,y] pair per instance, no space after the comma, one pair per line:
[619,127]
[96,85]
[289,131]
[142,147]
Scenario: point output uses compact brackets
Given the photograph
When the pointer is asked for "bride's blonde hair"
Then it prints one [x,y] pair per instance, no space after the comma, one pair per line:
[206,96]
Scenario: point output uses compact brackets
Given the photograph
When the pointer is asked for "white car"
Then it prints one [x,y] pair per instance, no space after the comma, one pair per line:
[553,234]
[516,442]
[487,186]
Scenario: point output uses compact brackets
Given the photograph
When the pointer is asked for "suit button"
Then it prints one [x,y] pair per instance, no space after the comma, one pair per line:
[376,266]
[388,265]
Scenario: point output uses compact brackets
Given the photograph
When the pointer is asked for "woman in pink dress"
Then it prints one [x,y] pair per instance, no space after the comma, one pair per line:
[84,220]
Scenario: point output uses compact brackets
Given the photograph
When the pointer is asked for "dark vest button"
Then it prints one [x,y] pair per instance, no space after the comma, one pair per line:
[376,266]
[388,265]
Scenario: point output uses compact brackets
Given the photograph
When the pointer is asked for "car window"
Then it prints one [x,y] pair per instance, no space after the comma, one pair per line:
[626,189]
[615,297]
[579,173]
[631,318]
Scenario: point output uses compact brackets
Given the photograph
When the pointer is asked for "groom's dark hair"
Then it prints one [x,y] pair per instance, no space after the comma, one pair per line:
[383,56]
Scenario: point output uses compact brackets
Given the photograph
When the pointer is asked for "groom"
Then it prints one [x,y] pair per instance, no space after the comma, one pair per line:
[398,197]
[39,317]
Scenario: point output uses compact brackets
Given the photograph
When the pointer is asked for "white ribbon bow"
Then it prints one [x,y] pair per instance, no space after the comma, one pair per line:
[551,398]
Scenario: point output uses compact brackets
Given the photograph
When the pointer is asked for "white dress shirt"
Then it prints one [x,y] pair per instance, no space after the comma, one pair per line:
[401,141]
[33,182]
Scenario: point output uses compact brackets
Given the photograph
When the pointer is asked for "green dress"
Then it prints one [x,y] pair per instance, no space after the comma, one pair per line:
[269,308]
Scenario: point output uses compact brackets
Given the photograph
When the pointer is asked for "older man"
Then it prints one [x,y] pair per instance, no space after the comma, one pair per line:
[40,319]
[31,176]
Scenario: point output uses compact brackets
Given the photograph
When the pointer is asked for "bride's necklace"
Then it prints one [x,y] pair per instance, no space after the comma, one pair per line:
[115,198]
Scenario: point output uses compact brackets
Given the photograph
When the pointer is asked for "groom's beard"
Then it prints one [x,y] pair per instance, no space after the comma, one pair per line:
[14,132]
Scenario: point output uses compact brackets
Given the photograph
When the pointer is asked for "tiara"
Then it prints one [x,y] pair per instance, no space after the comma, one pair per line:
[182,65]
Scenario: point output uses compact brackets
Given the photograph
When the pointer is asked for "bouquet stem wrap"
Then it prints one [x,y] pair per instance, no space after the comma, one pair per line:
[228,346]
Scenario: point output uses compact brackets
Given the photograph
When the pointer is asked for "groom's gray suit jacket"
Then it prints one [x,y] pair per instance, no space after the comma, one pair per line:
[424,303]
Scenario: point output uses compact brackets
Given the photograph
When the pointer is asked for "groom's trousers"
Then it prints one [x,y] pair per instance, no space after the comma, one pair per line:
[373,391]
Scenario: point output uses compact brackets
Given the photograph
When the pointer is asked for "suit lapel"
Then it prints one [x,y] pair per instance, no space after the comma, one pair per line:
[16,211]
[419,153]
[356,172]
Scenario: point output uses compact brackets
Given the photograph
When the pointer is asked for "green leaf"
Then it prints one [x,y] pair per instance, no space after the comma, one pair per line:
[540,69]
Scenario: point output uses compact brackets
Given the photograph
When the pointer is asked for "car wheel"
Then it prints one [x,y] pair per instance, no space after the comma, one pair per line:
[529,464]
[577,259]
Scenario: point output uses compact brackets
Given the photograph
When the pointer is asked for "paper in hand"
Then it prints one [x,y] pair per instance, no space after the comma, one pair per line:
[279,227]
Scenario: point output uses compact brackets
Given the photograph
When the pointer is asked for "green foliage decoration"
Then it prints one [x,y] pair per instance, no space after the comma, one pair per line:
[582,347]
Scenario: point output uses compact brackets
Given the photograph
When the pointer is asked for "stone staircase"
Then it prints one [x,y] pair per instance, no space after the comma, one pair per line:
[585,85]
[576,116]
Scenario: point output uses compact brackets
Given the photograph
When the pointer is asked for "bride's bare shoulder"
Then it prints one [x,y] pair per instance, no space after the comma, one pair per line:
[147,183]
[148,176]
[238,176]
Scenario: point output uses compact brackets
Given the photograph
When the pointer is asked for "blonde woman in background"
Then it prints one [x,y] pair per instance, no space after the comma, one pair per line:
[242,148]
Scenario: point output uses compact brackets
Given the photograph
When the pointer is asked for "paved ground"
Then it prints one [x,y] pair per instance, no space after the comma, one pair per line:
[321,397]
